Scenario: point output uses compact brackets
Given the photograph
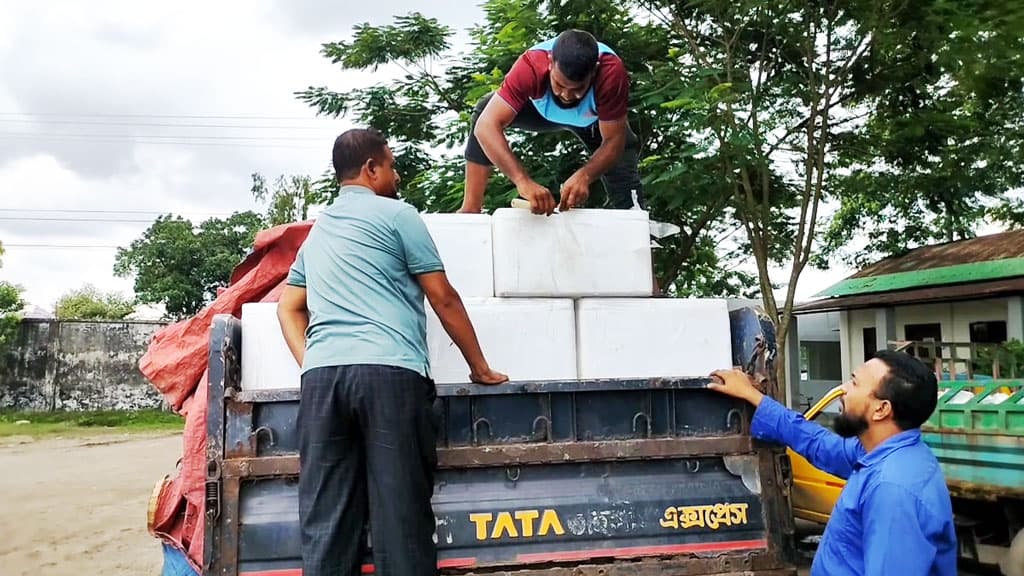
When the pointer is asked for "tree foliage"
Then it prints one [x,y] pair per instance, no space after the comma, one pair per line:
[755,116]
[943,138]
[181,265]
[290,198]
[425,112]
[90,303]
[11,304]
[759,88]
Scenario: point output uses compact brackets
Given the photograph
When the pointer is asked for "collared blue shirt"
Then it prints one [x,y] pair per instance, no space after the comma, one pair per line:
[894,517]
[359,265]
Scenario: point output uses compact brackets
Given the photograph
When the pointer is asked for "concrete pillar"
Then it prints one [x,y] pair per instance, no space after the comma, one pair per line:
[844,343]
[1015,318]
[885,327]
[793,361]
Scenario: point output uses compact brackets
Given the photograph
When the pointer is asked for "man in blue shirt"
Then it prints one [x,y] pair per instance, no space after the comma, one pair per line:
[894,516]
[352,315]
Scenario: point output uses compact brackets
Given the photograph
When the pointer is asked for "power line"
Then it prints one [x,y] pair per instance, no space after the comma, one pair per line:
[167,136]
[72,138]
[47,219]
[160,124]
[85,211]
[68,246]
[166,116]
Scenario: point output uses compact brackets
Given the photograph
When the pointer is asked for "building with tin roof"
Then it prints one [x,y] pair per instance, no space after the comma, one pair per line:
[950,303]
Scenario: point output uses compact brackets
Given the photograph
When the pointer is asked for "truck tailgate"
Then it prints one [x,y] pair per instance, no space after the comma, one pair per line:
[609,476]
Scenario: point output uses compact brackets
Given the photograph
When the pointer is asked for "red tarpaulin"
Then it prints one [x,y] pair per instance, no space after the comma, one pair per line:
[176,364]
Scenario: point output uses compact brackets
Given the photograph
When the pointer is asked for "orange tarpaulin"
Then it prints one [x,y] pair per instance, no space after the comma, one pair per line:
[175,363]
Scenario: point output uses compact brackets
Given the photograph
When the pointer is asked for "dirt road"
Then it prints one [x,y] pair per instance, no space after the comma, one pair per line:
[78,506]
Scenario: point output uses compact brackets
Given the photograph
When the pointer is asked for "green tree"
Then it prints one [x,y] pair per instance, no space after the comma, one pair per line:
[943,138]
[731,100]
[759,87]
[784,98]
[89,303]
[290,198]
[10,306]
[425,113]
[754,117]
[181,265]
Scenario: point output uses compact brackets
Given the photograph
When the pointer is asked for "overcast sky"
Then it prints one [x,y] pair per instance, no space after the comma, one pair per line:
[120,110]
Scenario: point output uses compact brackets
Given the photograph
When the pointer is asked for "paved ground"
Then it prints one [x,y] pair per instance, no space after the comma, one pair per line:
[78,506]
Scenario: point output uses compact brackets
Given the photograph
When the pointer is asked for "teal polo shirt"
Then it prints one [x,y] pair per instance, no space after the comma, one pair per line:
[359,266]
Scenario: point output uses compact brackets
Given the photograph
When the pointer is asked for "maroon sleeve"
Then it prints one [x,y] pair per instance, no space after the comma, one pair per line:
[612,90]
[521,81]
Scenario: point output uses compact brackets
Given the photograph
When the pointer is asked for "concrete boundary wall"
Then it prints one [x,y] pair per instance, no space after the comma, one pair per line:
[77,365]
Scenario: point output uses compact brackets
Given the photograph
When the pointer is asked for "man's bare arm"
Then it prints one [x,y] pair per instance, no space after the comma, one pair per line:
[450,311]
[490,132]
[294,318]
[576,189]
[613,142]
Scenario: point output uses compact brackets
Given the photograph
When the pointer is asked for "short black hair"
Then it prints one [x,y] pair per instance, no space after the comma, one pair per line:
[354,147]
[910,386]
[575,53]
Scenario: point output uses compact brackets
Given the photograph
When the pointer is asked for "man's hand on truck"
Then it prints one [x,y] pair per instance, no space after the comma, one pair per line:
[488,377]
[736,383]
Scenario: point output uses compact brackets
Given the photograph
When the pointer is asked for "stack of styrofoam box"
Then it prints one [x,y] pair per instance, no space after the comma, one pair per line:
[555,297]
[530,338]
[571,299]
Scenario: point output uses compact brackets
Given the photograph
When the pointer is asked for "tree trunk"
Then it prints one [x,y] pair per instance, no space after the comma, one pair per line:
[780,375]
[782,331]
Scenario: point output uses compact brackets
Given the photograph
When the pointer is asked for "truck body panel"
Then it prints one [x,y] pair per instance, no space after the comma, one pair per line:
[618,476]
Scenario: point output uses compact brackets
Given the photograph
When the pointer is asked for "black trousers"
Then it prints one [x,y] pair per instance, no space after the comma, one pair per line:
[367,449]
[619,181]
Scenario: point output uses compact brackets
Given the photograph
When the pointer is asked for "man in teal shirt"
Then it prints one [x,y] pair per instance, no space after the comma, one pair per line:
[352,315]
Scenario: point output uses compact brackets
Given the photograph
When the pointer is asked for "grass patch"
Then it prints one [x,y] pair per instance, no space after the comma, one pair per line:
[81,423]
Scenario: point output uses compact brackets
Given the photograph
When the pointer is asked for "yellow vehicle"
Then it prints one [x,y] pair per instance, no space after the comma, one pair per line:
[814,492]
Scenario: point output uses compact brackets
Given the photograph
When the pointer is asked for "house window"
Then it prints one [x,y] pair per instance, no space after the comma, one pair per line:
[924,333]
[870,343]
[988,332]
[821,361]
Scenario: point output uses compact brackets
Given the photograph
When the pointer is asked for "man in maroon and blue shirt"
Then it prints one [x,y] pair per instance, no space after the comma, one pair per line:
[572,83]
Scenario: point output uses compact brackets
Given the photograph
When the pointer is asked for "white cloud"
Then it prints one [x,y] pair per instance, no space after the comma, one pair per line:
[93,113]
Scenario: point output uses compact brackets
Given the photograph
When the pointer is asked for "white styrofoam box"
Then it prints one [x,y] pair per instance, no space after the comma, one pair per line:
[577,253]
[652,337]
[464,243]
[266,361]
[526,338]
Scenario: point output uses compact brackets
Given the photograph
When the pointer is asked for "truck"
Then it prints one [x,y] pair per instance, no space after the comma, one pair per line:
[977,434]
[608,477]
